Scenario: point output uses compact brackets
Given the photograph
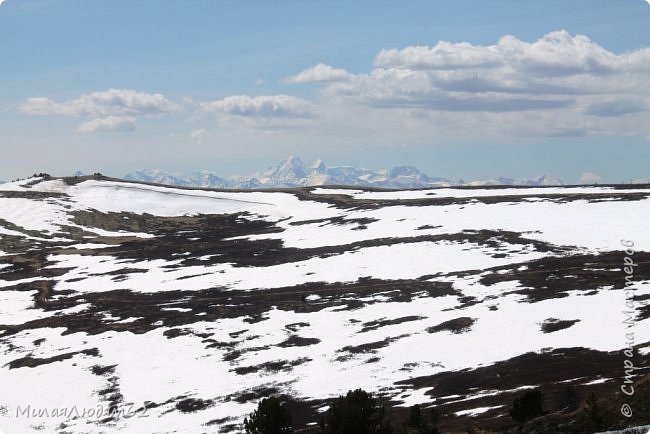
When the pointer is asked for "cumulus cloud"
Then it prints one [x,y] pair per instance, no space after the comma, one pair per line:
[552,72]
[112,109]
[271,106]
[444,55]
[556,53]
[108,124]
[558,85]
[400,88]
[112,102]
[320,73]
[199,136]
[590,178]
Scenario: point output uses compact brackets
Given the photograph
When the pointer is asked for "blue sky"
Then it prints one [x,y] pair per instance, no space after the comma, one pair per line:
[514,88]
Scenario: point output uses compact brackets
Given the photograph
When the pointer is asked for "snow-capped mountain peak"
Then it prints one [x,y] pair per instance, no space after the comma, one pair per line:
[291,169]
[318,166]
[293,172]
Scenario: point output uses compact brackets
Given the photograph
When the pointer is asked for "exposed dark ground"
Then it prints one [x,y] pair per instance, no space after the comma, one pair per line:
[550,277]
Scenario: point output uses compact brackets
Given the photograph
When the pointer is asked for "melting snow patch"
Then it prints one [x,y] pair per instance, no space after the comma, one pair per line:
[128,320]
[413,397]
[476,411]
[89,246]
[177,309]
[598,381]
[336,191]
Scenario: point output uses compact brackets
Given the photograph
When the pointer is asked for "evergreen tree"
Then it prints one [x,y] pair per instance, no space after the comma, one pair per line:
[270,417]
[417,423]
[593,412]
[570,398]
[527,407]
[358,412]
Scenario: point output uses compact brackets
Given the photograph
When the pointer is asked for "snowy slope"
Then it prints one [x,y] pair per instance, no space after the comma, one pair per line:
[152,299]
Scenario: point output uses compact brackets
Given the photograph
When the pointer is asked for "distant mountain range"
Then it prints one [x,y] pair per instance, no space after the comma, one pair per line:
[294,173]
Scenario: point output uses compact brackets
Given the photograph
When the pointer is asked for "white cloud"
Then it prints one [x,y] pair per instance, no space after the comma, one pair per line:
[108,124]
[550,73]
[273,106]
[561,85]
[112,102]
[320,73]
[41,106]
[556,53]
[444,55]
[558,85]
[112,109]
[590,178]
[199,136]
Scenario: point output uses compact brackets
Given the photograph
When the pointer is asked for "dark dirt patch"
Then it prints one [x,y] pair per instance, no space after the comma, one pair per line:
[232,355]
[32,362]
[223,422]
[103,370]
[609,406]
[348,202]
[121,271]
[424,227]
[6,239]
[298,341]
[294,327]
[275,366]
[176,332]
[337,221]
[370,347]
[179,234]
[551,325]
[545,370]
[216,303]
[32,194]
[29,265]
[643,312]
[191,405]
[255,394]
[456,326]
[374,325]
[554,277]
[237,333]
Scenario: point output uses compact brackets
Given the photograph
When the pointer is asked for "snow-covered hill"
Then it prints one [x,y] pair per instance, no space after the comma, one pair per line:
[294,173]
[180,308]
